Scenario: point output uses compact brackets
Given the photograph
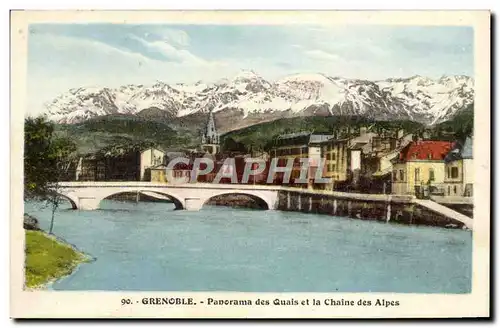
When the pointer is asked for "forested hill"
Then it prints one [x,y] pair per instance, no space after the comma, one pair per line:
[115,130]
[259,136]
[123,130]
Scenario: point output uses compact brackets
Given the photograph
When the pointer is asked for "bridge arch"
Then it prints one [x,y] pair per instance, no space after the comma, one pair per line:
[70,198]
[88,195]
[261,199]
[171,196]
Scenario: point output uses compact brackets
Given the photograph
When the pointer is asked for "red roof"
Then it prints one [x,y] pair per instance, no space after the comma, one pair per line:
[425,150]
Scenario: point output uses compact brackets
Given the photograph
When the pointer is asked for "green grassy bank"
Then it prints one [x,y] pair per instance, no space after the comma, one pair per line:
[47,259]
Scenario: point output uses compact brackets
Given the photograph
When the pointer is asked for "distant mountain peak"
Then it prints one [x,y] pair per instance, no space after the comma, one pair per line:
[246,74]
[248,95]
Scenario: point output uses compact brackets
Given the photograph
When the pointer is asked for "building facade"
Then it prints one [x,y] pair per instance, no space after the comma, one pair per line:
[459,179]
[150,158]
[180,173]
[127,166]
[335,153]
[156,174]
[297,146]
[376,162]
[420,168]
[344,157]
[291,146]
[91,168]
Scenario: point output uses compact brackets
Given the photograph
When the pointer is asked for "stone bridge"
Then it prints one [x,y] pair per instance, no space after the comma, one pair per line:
[86,195]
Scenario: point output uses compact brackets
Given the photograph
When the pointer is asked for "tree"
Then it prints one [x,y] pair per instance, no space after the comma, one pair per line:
[47,160]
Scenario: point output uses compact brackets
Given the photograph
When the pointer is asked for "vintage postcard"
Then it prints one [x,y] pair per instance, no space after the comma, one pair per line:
[250,164]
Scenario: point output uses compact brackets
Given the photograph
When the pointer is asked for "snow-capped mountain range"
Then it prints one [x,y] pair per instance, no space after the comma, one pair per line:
[251,98]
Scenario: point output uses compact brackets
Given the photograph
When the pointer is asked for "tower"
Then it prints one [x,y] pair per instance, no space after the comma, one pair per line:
[210,137]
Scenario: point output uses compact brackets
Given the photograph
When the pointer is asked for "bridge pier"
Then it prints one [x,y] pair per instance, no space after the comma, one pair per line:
[193,204]
[88,203]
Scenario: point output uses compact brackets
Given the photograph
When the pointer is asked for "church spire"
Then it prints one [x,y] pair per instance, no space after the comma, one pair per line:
[210,138]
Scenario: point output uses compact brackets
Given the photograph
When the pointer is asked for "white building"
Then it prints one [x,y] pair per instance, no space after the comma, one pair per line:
[150,157]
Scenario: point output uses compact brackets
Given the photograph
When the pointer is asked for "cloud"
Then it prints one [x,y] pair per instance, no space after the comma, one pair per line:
[64,53]
[58,63]
[170,52]
[63,56]
[174,36]
[322,55]
[178,37]
[343,41]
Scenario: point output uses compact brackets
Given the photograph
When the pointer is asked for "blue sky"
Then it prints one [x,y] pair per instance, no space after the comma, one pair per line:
[63,56]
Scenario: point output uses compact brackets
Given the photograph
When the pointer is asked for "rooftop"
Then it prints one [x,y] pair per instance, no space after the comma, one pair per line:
[425,150]
[293,135]
[461,150]
[317,138]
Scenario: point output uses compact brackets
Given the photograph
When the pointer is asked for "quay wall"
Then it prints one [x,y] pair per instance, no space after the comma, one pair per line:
[384,208]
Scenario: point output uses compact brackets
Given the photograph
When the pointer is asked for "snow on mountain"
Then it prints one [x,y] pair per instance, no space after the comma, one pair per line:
[418,98]
[436,100]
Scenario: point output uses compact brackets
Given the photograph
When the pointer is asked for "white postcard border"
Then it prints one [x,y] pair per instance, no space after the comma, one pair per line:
[65,304]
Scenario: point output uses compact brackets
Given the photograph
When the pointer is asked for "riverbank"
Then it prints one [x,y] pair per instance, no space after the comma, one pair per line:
[48,258]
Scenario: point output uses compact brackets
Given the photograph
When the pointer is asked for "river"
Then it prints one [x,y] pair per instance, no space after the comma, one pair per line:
[150,246]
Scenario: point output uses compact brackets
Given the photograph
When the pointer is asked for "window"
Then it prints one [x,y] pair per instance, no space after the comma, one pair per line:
[417,175]
[448,172]
[449,190]
[328,156]
[431,174]
[334,168]
[401,175]
[395,175]
[455,190]
[454,172]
